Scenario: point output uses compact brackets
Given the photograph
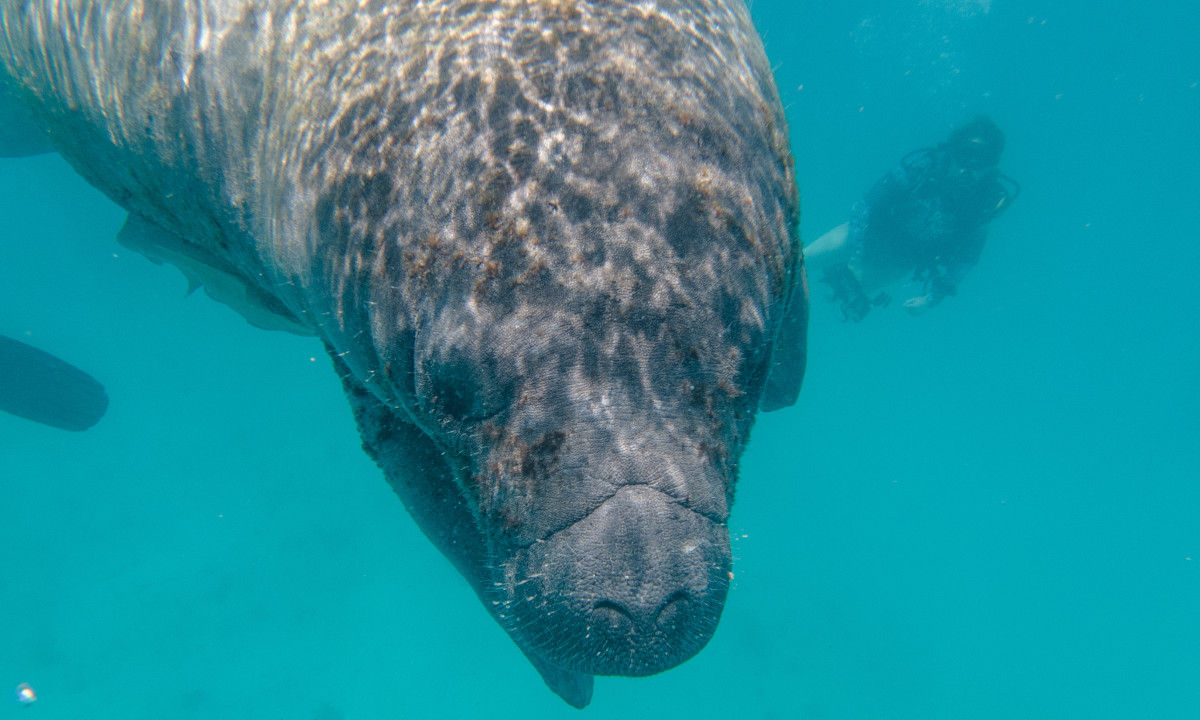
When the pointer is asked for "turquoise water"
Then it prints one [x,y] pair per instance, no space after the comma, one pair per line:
[990,511]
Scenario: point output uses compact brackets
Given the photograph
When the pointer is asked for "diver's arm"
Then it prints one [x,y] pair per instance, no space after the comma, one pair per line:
[836,247]
[950,273]
[830,249]
[938,288]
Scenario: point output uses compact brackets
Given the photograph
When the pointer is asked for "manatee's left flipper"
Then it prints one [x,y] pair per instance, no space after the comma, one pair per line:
[38,386]
[790,355]
[19,133]
[574,687]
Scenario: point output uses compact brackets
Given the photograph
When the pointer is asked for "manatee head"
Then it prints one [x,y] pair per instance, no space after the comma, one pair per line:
[576,246]
[597,451]
[590,347]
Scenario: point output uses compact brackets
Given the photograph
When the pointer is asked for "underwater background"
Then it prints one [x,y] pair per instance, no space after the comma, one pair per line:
[989,511]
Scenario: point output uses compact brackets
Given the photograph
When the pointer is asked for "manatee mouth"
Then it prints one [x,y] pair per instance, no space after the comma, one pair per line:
[634,588]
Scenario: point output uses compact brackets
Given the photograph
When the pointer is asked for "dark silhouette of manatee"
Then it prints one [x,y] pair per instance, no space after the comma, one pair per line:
[551,246]
[38,386]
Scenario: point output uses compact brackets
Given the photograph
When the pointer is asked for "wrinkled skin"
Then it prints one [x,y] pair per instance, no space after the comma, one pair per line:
[550,244]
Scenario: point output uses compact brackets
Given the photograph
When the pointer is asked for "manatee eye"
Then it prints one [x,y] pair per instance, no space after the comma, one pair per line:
[458,389]
[455,398]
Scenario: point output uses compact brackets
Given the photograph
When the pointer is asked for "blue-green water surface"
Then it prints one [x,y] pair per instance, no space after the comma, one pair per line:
[990,511]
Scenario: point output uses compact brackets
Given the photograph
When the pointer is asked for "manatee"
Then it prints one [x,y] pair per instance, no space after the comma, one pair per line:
[38,386]
[550,245]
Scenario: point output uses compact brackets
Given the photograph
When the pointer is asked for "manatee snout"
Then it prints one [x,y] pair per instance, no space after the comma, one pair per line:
[634,588]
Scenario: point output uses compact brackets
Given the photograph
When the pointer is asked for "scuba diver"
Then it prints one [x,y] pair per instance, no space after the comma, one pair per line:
[38,386]
[925,221]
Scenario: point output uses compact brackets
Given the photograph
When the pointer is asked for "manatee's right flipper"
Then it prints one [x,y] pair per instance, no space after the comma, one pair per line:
[790,355]
[40,387]
[221,281]
[574,687]
[19,133]
[417,470]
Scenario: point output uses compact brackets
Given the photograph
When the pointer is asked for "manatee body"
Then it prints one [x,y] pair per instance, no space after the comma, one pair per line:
[551,246]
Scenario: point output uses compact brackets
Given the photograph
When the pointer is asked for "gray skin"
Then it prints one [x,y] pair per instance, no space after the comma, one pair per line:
[551,246]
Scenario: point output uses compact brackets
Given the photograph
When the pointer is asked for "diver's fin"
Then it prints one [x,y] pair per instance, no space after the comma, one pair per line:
[221,280]
[19,133]
[38,386]
[791,352]
[574,687]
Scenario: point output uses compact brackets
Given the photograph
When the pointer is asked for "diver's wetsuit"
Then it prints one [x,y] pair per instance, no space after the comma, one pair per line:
[927,217]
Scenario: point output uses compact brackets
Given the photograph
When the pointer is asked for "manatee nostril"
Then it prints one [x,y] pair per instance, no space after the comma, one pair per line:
[612,616]
[633,588]
[674,611]
[672,615]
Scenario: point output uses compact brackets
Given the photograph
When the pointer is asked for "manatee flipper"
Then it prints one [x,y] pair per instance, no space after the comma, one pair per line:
[221,280]
[38,386]
[790,356]
[574,687]
[19,133]
[417,470]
